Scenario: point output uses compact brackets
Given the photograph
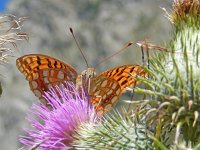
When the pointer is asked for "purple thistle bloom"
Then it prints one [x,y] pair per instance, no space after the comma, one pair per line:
[54,129]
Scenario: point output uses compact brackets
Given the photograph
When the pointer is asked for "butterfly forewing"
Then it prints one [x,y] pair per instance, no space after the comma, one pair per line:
[30,64]
[109,85]
[44,71]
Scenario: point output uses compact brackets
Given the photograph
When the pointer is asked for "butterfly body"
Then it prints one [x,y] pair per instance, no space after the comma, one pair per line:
[84,80]
[43,72]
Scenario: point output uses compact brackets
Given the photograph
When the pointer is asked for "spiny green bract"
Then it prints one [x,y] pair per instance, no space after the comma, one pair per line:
[114,132]
[173,86]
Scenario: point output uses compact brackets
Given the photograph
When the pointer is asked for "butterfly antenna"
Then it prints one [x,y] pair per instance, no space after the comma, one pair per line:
[72,32]
[117,52]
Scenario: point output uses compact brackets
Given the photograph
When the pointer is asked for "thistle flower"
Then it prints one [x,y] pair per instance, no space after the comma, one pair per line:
[183,8]
[56,127]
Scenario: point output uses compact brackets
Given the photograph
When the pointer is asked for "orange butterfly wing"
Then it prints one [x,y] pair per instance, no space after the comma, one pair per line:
[44,71]
[109,85]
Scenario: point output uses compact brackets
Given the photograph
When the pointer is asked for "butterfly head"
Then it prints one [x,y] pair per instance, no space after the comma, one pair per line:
[88,73]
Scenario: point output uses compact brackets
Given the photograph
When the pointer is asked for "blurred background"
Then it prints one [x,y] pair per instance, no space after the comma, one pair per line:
[101,27]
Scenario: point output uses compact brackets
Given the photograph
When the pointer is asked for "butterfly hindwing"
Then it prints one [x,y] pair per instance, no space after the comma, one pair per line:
[104,93]
[44,71]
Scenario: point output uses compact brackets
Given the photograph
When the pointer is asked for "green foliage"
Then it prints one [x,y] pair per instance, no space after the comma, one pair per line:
[174,84]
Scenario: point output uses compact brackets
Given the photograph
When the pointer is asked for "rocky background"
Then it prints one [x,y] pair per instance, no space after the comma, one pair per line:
[101,27]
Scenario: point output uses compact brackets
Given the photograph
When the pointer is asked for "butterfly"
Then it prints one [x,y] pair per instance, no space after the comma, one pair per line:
[43,72]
